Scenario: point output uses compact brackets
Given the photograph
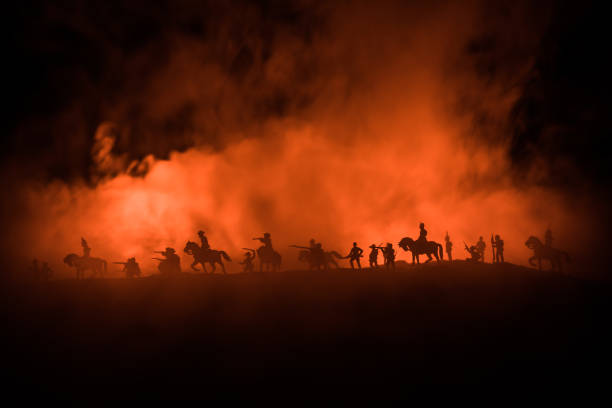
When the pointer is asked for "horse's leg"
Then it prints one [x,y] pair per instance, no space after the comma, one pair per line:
[429,258]
[212,264]
[222,267]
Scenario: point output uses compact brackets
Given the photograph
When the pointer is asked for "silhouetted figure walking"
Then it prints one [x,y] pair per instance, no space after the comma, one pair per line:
[171,265]
[86,248]
[354,256]
[481,246]
[130,267]
[498,245]
[388,255]
[449,247]
[249,257]
[46,272]
[373,256]
[548,238]
[204,241]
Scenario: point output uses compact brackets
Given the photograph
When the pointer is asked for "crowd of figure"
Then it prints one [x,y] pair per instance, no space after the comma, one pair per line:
[314,255]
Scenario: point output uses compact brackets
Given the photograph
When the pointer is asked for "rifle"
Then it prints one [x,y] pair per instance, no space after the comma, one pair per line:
[159,259]
[466,247]
[301,247]
[159,252]
[249,249]
[120,263]
[493,248]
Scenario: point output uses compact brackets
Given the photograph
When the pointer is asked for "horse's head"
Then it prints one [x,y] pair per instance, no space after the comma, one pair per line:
[190,247]
[406,243]
[70,258]
[533,242]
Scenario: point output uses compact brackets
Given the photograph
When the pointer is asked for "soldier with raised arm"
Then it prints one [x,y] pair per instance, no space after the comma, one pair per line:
[354,255]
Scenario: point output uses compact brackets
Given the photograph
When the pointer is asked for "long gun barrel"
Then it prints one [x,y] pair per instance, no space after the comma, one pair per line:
[120,263]
[159,252]
[301,247]
[158,259]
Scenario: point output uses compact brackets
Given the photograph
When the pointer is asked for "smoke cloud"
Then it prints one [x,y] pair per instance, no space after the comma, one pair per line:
[348,123]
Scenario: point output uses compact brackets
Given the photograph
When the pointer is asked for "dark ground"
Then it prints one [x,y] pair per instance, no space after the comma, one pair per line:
[203,336]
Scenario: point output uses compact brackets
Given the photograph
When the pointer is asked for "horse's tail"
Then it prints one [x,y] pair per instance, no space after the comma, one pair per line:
[225,256]
[441,248]
[336,254]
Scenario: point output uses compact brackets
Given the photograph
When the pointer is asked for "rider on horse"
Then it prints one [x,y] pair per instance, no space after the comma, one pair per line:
[204,240]
[422,234]
[267,242]
[86,248]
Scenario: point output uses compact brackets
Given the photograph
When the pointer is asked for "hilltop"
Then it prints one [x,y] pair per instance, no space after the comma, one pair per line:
[436,323]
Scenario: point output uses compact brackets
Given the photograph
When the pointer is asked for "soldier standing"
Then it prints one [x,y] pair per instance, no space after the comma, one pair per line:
[389,255]
[449,247]
[498,244]
[374,256]
[480,245]
[354,255]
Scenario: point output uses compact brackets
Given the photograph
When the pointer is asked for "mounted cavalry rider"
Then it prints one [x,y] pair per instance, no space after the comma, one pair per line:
[203,240]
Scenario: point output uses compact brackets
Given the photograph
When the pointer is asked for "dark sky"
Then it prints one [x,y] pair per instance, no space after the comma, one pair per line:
[75,59]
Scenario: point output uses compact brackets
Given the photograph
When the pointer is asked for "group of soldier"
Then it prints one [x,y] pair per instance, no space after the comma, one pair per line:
[314,254]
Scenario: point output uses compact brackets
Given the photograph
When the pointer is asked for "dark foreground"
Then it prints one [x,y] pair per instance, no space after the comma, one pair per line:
[203,336]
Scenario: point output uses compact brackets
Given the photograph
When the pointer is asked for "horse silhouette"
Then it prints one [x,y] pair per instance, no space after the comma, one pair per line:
[83,263]
[417,248]
[270,258]
[202,256]
[315,263]
[542,251]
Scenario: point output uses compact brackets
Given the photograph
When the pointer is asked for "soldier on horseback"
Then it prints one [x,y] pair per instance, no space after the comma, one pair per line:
[267,242]
[354,255]
[548,238]
[422,234]
[205,246]
[86,248]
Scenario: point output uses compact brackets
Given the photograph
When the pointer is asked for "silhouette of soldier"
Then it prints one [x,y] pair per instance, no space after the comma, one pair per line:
[389,255]
[86,248]
[203,240]
[131,267]
[474,252]
[480,245]
[46,272]
[498,244]
[374,256]
[266,240]
[422,234]
[449,247]
[354,255]
[172,263]
[548,238]
[249,257]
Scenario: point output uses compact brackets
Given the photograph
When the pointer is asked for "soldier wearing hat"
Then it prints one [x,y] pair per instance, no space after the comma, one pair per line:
[373,256]
[203,240]
[354,255]
[171,263]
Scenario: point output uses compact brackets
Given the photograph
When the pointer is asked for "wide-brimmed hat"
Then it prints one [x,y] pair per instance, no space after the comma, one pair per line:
[171,250]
